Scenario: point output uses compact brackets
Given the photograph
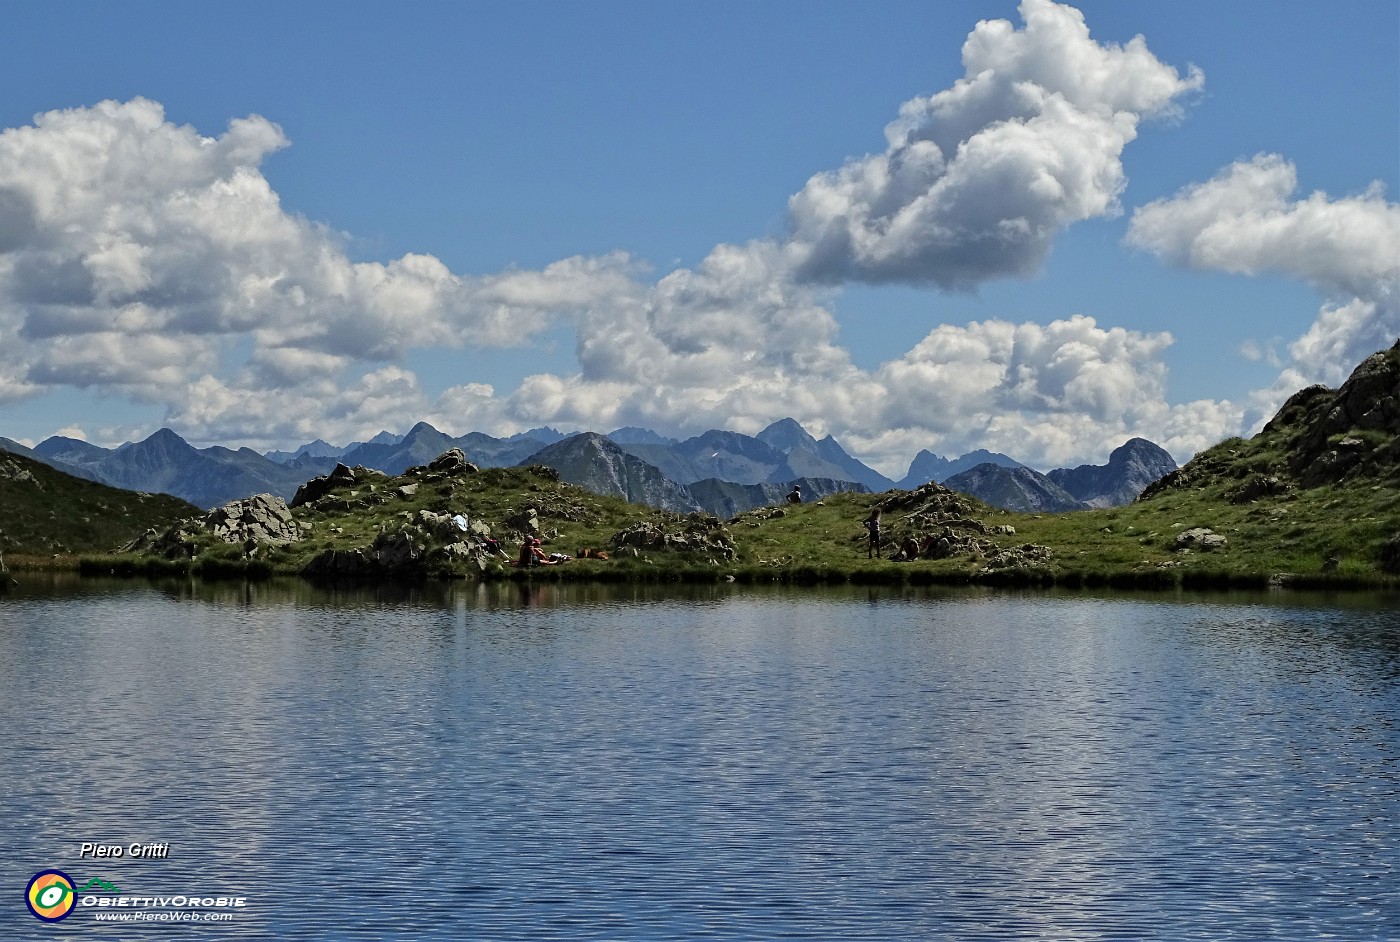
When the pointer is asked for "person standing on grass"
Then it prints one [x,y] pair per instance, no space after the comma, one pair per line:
[872,525]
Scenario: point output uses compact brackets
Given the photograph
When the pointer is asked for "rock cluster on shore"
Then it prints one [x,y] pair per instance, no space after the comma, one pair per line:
[700,533]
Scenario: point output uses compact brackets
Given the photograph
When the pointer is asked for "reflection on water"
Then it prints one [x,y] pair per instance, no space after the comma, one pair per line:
[624,762]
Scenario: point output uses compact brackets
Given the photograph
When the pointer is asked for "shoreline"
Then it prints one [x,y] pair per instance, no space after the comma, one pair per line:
[916,573]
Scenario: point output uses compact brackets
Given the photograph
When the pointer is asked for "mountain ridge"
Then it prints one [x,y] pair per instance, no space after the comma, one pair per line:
[782,453]
[1020,489]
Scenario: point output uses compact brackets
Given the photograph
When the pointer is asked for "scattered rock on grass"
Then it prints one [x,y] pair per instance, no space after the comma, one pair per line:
[1202,538]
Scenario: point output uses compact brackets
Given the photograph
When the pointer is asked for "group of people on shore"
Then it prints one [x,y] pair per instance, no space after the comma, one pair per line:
[909,548]
[532,554]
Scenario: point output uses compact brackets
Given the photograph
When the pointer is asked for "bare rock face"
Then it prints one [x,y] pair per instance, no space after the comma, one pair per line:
[597,464]
[1353,432]
[1318,437]
[1368,401]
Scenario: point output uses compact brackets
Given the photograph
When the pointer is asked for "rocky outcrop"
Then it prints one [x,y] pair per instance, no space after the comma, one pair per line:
[697,533]
[340,477]
[1318,437]
[452,461]
[1368,402]
[261,518]
[951,543]
[1257,486]
[429,543]
[934,522]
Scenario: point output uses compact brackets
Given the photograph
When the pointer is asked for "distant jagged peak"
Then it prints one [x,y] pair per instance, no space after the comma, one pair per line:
[320,448]
[634,435]
[595,439]
[162,439]
[734,442]
[1020,488]
[59,446]
[1141,449]
[787,434]
[543,434]
[928,466]
[421,430]
[1131,468]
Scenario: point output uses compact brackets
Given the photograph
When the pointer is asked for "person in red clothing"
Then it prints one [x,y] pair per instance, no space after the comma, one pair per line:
[532,555]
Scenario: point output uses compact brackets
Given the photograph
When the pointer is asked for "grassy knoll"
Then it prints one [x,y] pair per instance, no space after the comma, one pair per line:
[1313,500]
[1322,536]
[48,517]
[1328,535]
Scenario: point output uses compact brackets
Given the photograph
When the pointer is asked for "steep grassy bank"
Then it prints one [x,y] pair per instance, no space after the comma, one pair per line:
[48,517]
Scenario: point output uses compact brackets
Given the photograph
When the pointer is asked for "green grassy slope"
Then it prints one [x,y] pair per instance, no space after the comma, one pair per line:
[1313,499]
[45,512]
[1295,532]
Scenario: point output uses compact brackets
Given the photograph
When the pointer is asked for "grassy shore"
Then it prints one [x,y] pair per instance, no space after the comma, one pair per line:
[1323,537]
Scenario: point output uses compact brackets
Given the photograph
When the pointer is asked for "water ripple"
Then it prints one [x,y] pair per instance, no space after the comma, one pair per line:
[496,764]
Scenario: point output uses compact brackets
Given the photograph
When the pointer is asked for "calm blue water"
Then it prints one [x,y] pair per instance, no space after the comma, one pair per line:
[603,763]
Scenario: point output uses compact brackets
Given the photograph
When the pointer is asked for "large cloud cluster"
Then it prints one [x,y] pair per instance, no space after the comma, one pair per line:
[978,179]
[1246,220]
[142,258]
[135,253]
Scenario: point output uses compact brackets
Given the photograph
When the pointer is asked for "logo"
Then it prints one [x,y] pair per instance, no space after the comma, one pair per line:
[100,884]
[50,895]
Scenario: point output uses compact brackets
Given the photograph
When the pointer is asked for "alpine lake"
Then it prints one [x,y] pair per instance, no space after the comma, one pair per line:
[515,761]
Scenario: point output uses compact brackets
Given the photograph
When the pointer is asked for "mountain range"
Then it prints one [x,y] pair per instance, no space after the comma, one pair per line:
[1131,468]
[722,472]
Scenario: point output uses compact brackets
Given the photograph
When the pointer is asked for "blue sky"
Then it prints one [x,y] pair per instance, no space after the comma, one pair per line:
[572,169]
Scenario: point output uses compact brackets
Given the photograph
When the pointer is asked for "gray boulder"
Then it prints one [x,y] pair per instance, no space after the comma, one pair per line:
[1202,538]
[262,518]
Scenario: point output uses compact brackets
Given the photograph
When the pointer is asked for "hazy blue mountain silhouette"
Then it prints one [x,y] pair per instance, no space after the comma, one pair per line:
[927,466]
[1131,467]
[757,466]
[165,463]
[1021,489]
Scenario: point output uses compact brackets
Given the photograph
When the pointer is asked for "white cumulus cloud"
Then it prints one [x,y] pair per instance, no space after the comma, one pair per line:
[140,257]
[977,180]
[1247,220]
